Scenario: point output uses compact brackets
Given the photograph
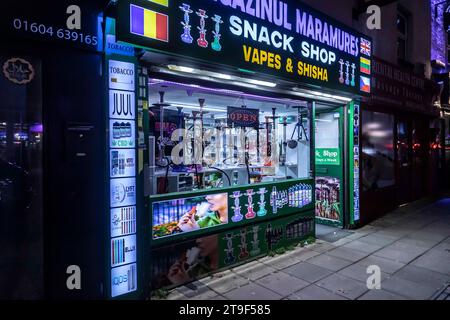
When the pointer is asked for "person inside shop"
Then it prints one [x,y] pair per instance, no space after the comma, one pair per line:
[217,214]
[202,259]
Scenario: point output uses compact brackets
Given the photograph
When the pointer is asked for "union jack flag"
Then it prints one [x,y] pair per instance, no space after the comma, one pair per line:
[366,47]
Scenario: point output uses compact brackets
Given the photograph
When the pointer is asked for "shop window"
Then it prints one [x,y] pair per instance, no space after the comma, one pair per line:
[377,150]
[223,156]
[402,36]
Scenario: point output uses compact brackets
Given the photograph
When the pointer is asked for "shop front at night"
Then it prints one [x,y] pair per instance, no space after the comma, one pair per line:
[400,139]
[247,130]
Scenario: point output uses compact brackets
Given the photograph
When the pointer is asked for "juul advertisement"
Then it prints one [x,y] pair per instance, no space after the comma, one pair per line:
[282,38]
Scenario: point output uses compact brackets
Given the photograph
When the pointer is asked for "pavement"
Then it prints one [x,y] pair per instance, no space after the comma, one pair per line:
[410,245]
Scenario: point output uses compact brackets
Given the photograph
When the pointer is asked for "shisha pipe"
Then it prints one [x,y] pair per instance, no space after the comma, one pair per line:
[284,149]
[299,128]
[161,106]
[272,132]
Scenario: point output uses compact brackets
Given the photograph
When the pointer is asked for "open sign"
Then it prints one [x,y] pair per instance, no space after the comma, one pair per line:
[243,117]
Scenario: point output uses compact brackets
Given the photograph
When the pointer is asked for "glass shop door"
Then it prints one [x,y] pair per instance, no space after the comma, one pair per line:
[329,166]
[21,134]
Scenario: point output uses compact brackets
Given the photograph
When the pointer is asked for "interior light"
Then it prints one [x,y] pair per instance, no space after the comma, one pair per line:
[194,107]
[262,83]
[180,68]
[222,76]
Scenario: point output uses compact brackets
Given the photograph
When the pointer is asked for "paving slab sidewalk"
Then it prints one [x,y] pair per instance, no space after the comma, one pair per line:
[410,245]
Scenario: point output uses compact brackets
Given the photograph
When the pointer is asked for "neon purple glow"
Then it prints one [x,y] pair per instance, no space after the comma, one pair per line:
[438,34]
[224,92]
[37,128]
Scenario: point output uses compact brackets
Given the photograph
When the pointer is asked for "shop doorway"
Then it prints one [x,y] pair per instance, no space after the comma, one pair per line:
[404,161]
[419,158]
[329,165]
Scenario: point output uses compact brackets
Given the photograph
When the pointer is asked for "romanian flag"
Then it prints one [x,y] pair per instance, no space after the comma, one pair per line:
[148,23]
[365,65]
[161,2]
[365,84]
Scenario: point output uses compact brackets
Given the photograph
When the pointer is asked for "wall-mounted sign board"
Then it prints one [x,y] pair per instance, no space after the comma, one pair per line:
[285,39]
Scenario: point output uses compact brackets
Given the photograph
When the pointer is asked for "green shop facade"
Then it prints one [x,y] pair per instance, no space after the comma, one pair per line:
[233,128]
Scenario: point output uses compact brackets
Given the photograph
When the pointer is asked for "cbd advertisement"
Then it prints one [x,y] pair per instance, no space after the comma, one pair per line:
[281,38]
[183,262]
[181,214]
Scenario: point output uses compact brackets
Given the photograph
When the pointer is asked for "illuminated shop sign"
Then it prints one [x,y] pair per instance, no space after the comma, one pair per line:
[121,75]
[123,280]
[123,221]
[243,117]
[123,192]
[122,133]
[285,39]
[123,250]
[122,163]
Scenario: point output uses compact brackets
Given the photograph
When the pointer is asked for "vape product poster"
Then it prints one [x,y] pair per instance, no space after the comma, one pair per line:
[123,279]
[122,133]
[327,198]
[122,105]
[122,163]
[123,221]
[123,250]
[123,192]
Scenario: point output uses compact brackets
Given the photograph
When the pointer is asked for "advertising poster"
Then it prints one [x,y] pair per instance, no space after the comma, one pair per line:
[189,214]
[122,133]
[123,192]
[122,104]
[184,262]
[121,75]
[185,213]
[123,221]
[328,156]
[123,250]
[328,198]
[123,163]
[123,280]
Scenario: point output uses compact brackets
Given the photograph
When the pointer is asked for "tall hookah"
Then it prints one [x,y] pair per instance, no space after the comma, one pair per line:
[161,159]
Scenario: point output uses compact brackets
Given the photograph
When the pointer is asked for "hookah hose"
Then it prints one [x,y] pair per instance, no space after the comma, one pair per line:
[166,177]
[248,167]
[224,173]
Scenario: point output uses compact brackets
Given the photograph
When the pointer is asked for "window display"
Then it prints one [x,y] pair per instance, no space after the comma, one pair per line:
[213,138]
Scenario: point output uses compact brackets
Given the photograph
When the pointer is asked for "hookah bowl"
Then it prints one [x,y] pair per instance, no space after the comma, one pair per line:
[262,203]
[186,36]
[237,216]
[250,213]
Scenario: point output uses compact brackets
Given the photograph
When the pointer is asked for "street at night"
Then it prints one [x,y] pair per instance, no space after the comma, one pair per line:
[225,158]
